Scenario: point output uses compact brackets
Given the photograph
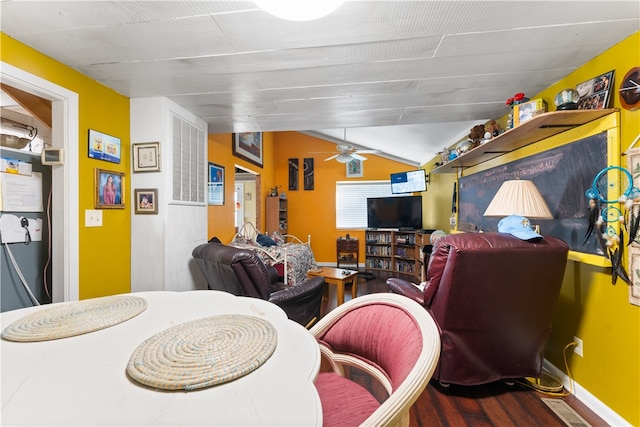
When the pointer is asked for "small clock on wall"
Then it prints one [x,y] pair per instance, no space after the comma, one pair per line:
[630,90]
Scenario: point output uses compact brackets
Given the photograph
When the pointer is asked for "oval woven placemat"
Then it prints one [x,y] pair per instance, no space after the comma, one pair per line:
[203,352]
[68,319]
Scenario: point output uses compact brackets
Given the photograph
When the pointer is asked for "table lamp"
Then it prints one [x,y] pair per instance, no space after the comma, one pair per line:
[519,197]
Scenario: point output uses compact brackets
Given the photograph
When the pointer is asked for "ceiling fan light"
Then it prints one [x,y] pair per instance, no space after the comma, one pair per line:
[344,158]
[296,10]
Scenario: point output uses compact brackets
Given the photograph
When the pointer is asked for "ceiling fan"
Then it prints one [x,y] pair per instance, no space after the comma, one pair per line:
[347,153]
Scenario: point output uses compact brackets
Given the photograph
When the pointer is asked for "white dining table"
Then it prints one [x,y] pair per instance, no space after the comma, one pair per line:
[82,380]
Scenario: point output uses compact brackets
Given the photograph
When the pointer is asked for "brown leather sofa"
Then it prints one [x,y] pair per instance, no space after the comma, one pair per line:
[493,298]
[242,272]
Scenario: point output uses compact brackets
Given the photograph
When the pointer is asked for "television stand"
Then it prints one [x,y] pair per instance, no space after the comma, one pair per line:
[406,229]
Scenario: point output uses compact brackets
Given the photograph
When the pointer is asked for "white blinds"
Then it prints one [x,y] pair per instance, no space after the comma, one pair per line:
[351,201]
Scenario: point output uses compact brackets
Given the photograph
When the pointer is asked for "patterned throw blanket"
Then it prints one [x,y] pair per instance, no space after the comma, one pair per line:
[299,257]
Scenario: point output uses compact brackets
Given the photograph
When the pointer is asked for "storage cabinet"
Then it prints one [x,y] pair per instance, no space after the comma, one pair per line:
[347,251]
[276,215]
[396,251]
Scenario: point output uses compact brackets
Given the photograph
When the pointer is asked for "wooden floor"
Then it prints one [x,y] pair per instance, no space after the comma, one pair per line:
[496,404]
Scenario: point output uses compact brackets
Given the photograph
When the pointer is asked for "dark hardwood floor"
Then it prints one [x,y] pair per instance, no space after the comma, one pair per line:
[490,405]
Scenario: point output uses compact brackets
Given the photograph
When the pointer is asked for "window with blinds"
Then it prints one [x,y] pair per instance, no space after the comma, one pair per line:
[188,162]
[351,201]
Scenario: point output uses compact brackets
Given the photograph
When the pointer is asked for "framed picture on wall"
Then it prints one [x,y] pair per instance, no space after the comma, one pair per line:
[293,174]
[594,93]
[104,147]
[109,189]
[308,173]
[248,146]
[215,185]
[354,168]
[146,157]
[146,200]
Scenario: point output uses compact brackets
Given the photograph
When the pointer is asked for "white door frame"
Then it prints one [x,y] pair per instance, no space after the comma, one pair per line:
[239,203]
[65,226]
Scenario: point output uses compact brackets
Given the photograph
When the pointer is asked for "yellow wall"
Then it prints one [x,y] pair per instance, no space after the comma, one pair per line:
[590,307]
[104,252]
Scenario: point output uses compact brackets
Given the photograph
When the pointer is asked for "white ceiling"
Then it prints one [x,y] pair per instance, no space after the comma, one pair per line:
[405,77]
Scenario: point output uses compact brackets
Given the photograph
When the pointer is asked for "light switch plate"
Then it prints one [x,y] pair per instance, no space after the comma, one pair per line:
[92,218]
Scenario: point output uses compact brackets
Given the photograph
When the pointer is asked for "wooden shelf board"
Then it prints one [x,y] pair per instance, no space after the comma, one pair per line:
[530,132]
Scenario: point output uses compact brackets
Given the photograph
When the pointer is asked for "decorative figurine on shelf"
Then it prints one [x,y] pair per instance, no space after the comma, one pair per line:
[273,192]
[444,155]
[476,135]
[492,128]
[463,147]
[518,98]
[567,99]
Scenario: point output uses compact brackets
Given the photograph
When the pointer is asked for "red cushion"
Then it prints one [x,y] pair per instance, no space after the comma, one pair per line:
[280,269]
[344,402]
[386,336]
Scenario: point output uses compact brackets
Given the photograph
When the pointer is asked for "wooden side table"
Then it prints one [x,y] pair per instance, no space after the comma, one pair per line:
[338,277]
[347,251]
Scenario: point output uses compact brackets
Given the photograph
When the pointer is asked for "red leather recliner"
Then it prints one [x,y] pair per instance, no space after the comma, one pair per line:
[493,297]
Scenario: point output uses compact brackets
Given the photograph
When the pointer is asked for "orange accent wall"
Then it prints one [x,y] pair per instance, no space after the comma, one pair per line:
[311,212]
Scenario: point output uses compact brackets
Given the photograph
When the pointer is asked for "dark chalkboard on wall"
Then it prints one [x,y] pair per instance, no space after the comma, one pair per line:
[561,174]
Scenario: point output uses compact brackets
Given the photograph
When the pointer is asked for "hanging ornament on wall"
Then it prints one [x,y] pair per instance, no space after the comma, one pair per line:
[603,214]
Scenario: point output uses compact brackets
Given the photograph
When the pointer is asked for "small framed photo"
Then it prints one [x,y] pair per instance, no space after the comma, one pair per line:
[146,157]
[248,146]
[354,168]
[594,93]
[528,110]
[215,185]
[109,192]
[146,200]
[104,147]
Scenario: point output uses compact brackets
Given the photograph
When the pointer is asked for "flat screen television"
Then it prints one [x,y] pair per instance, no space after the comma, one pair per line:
[408,182]
[395,212]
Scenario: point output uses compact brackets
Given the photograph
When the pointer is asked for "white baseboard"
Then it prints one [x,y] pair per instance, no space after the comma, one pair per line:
[589,400]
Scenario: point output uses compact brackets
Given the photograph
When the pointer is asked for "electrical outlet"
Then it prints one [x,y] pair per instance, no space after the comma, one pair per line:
[578,349]
[92,218]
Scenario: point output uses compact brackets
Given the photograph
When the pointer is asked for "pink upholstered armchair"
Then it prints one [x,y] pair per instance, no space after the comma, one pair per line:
[493,297]
[389,337]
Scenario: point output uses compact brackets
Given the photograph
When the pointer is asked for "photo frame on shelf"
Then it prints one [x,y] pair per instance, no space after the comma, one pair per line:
[248,146]
[104,147]
[146,157]
[109,189]
[354,168]
[595,93]
[146,200]
[215,185]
